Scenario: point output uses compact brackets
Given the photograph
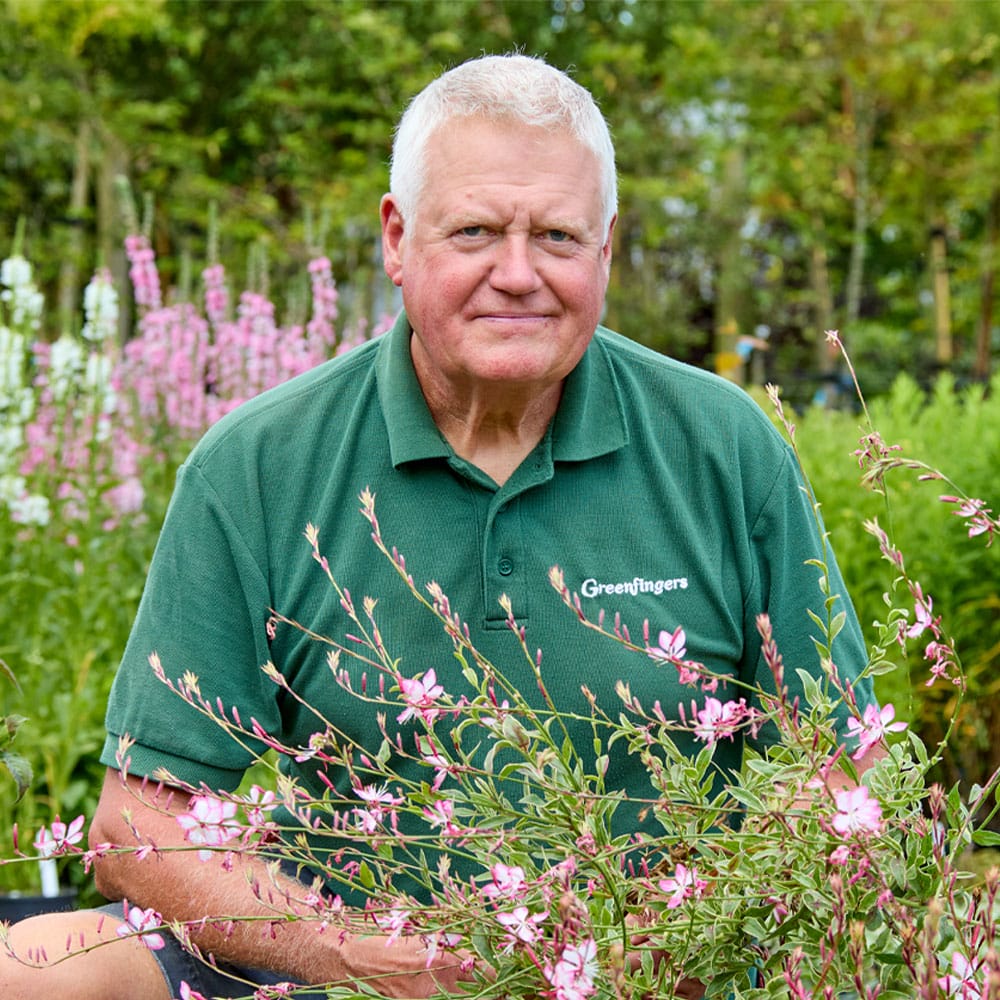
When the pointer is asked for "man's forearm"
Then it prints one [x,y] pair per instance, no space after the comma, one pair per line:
[243,912]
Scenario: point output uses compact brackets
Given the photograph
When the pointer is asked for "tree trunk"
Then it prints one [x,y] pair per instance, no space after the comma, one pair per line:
[69,269]
[827,356]
[110,225]
[943,346]
[984,333]
[729,286]
[862,123]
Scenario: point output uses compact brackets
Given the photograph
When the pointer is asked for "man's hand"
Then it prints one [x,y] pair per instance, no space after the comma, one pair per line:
[683,989]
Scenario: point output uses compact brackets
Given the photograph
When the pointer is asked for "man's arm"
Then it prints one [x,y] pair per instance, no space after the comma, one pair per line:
[181,887]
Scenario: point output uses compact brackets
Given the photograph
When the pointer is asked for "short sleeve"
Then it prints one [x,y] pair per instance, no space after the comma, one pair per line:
[786,537]
[203,612]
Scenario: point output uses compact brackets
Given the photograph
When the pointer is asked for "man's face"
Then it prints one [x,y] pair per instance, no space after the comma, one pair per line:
[504,265]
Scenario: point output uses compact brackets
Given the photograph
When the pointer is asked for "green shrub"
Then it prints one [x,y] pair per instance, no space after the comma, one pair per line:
[958,432]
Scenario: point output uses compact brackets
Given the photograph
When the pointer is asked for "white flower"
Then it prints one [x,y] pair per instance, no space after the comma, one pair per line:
[15,272]
[12,358]
[25,302]
[97,378]
[100,306]
[66,362]
[29,508]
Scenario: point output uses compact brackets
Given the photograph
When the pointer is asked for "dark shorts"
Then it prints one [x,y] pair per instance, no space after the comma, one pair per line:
[219,981]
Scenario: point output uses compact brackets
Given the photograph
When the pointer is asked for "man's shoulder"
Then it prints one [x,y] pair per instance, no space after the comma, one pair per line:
[314,398]
[650,376]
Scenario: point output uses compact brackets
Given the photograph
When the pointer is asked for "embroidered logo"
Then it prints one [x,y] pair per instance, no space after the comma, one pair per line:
[637,585]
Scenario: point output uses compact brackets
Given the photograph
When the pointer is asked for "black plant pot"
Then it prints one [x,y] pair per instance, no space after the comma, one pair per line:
[16,906]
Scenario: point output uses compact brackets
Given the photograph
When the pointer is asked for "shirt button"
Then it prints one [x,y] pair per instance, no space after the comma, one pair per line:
[505,566]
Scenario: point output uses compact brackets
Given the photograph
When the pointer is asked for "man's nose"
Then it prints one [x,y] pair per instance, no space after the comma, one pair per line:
[514,267]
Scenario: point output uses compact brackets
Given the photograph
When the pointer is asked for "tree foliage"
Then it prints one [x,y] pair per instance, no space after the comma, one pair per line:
[784,167]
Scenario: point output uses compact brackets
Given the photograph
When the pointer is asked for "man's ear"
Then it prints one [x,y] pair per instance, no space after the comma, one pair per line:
[392,239]
[606,249]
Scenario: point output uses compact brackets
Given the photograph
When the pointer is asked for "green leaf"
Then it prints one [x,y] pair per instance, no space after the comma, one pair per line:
[986,838]
[745,797]
[20,770]
[366,876]
[11,724]
[810,687]
[837,624]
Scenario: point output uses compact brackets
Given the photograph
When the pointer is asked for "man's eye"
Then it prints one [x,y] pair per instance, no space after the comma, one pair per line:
[558,236]
[472,230]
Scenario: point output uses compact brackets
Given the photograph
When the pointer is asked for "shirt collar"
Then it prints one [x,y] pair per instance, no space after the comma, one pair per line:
[413,435]
[590,420]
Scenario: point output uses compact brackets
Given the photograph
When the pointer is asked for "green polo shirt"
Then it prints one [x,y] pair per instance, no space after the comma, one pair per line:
[662,492]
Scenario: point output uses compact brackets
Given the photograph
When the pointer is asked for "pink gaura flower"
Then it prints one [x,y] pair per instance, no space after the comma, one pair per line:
[942,660]
[430,755]
[521,926]
[840,855]
[143,923]
[442,814]
[672,645]
[572,977]
[60,839]
[258,802]
[871,729]
[961,982]
[209,821]
[381,807]
[684,884]
[672,648]
[857,812]
[719,720]
[923,618]
[978,517]
[508,882]
[186,993]
[396,922]
[420,694]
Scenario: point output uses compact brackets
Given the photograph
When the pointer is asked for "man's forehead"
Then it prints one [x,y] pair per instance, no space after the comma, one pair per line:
[499,128]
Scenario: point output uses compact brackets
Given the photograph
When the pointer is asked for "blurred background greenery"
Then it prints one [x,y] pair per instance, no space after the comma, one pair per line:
[785,168]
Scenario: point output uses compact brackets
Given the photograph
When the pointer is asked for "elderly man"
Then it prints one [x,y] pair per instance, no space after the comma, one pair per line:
[505,432]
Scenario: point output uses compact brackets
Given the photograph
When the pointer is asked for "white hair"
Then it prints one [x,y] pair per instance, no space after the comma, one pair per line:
[514,88]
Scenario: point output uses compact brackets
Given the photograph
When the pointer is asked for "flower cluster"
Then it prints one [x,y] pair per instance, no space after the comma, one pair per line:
[809,889]
[978,517]
[83,418]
